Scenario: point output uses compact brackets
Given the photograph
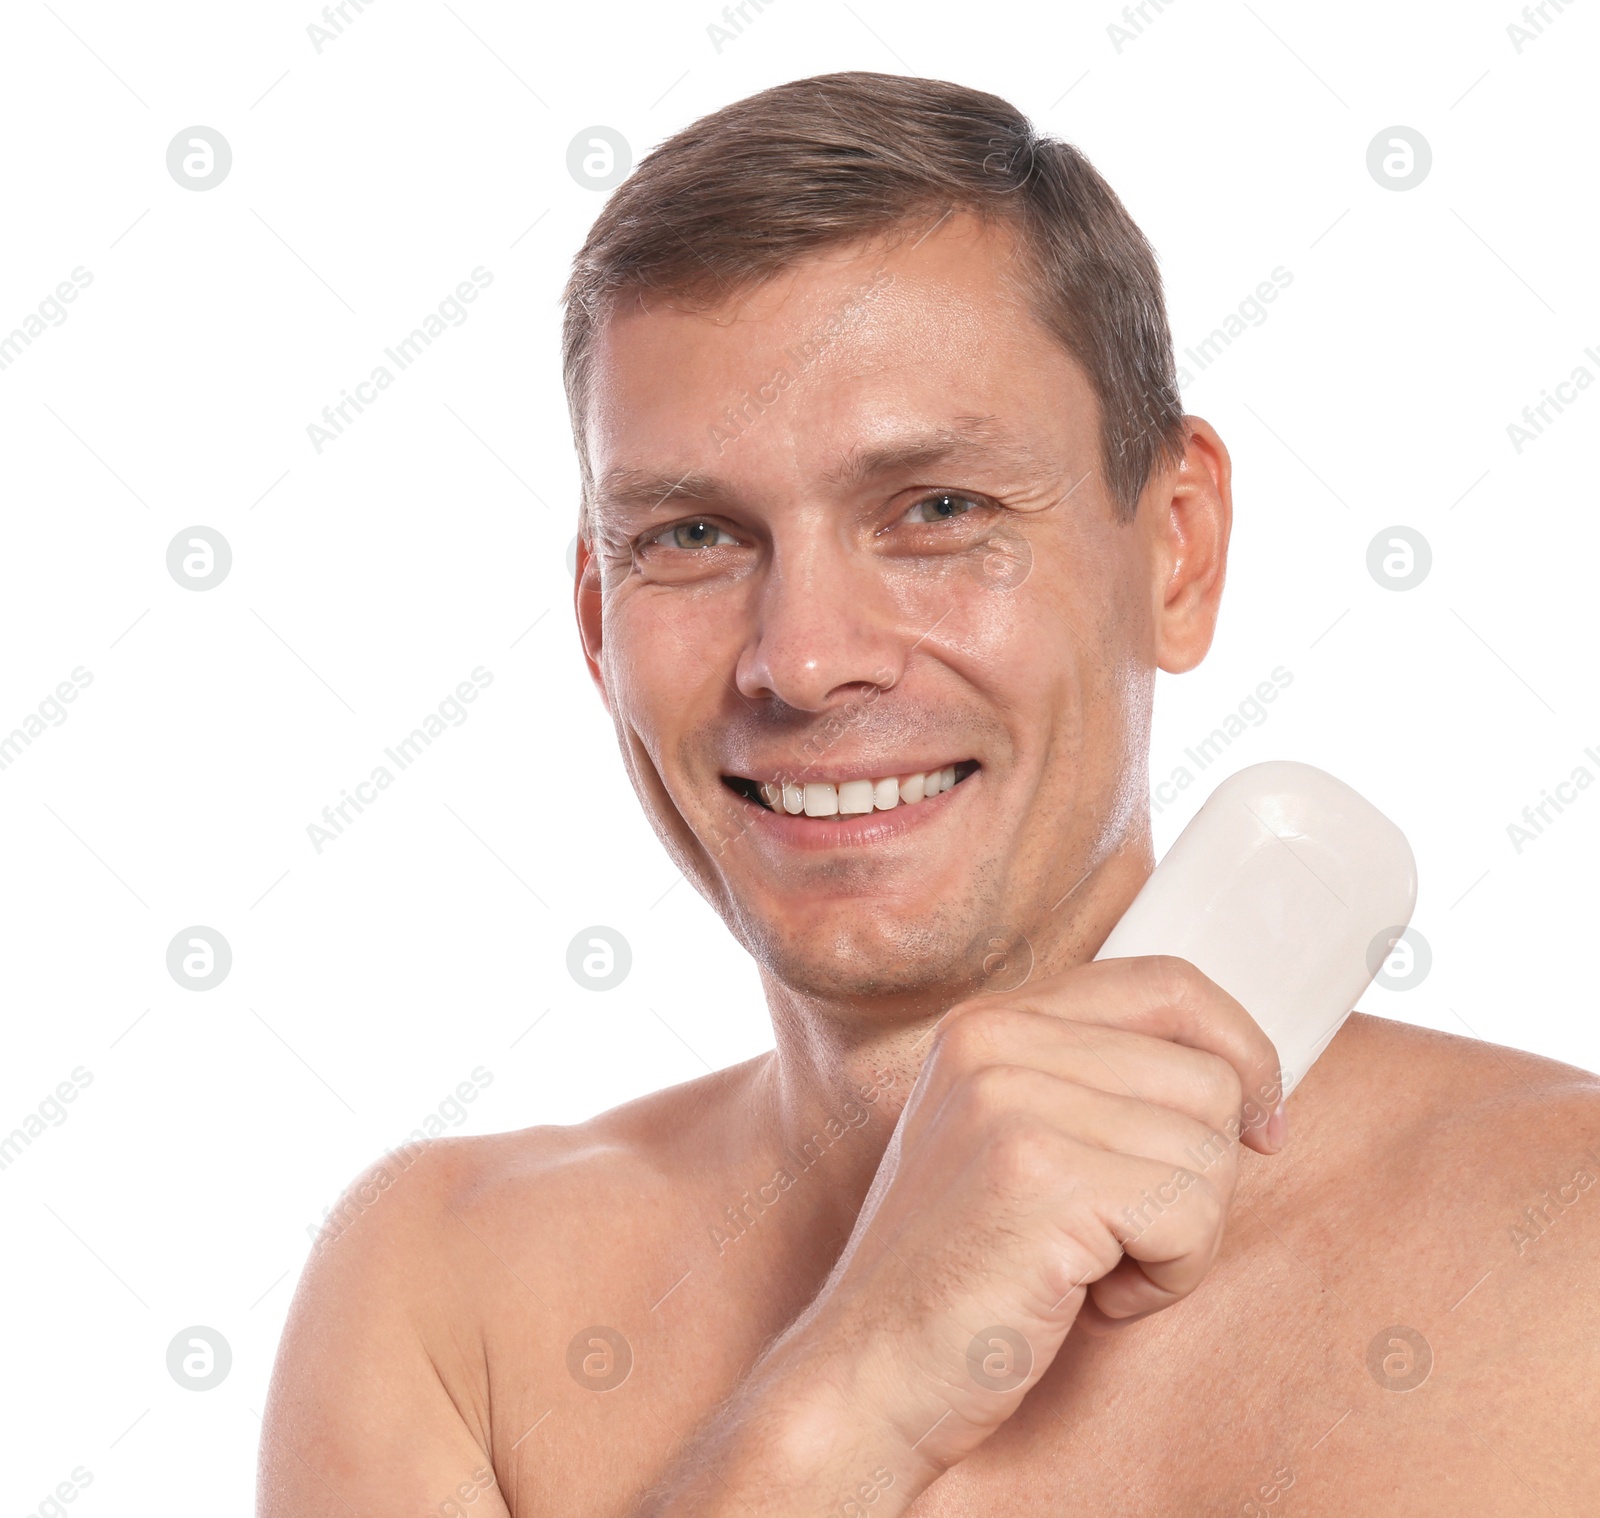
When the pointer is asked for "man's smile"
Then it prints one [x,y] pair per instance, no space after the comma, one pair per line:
[853,795]
[843,811]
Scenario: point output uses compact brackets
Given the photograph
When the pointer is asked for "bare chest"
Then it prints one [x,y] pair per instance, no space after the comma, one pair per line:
[1251,1404]
[1269,1392]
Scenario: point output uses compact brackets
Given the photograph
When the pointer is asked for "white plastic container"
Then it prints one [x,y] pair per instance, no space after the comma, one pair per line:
[1287,889]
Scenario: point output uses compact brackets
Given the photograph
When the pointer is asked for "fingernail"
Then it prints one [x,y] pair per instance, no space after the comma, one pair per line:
[1277,1128]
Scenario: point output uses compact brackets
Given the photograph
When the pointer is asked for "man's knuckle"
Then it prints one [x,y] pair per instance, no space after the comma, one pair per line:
[993,1093]
[1212,1144]
[1206,1207]
[1175,981]
[969,1037]
[1221,1090]
[1024,1157]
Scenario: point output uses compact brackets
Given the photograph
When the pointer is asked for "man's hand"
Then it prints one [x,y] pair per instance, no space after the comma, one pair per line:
[1072,1141]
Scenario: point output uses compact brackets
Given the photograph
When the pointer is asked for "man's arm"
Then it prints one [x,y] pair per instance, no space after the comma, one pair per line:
[358,1419]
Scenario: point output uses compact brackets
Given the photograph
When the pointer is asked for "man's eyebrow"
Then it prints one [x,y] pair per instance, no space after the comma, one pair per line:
[971,439]
[629,489]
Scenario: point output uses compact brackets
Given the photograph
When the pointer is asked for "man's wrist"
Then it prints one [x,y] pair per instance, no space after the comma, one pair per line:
[833,1433]
[837,1421]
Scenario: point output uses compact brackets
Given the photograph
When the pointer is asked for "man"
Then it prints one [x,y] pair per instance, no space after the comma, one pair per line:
[890,516]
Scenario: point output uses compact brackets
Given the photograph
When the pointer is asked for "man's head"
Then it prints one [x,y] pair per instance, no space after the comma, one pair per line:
[884,474]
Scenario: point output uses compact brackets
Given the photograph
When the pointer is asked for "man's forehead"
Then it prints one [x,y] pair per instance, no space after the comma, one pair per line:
[858,303]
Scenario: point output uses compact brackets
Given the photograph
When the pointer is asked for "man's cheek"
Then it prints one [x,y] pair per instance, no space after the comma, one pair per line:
[918,592]
[670,676]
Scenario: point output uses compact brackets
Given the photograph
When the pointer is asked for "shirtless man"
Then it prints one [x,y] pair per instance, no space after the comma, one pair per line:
[885,478]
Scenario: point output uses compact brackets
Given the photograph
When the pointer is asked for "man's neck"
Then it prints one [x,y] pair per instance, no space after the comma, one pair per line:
[850,1062]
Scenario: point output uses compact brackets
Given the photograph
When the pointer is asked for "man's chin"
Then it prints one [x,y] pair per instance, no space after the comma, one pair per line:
[930,964]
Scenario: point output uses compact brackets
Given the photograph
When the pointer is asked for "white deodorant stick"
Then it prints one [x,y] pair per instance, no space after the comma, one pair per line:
[1287,889]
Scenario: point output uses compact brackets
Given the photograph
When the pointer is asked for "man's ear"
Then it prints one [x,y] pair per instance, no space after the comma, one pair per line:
[586,605]
[1190,520]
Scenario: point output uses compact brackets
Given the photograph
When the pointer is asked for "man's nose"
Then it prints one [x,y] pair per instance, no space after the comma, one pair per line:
[826,628]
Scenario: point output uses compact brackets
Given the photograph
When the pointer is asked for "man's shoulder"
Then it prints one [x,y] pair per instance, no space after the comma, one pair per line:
[1398,1112]
[552,1183]
[1452,1183]
[1450,1095]
[1507,1143]
[448,1255]
[1443,1234]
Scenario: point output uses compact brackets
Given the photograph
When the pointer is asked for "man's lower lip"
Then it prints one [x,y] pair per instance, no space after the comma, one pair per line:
[804,832]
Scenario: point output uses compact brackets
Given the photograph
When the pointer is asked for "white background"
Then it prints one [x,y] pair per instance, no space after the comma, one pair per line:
[368,580]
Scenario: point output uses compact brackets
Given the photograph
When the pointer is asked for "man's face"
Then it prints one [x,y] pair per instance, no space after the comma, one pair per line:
[853,527]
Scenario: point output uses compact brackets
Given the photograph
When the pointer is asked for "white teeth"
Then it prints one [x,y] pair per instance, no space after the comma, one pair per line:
[854,798]
[822,799]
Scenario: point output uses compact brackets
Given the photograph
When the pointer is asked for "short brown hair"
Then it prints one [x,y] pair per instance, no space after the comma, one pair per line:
[747,191]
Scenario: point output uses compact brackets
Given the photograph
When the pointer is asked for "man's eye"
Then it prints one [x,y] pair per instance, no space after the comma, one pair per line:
[941,508]
[693,535]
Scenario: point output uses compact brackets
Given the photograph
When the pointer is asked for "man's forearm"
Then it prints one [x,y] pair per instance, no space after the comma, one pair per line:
[790,1443]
